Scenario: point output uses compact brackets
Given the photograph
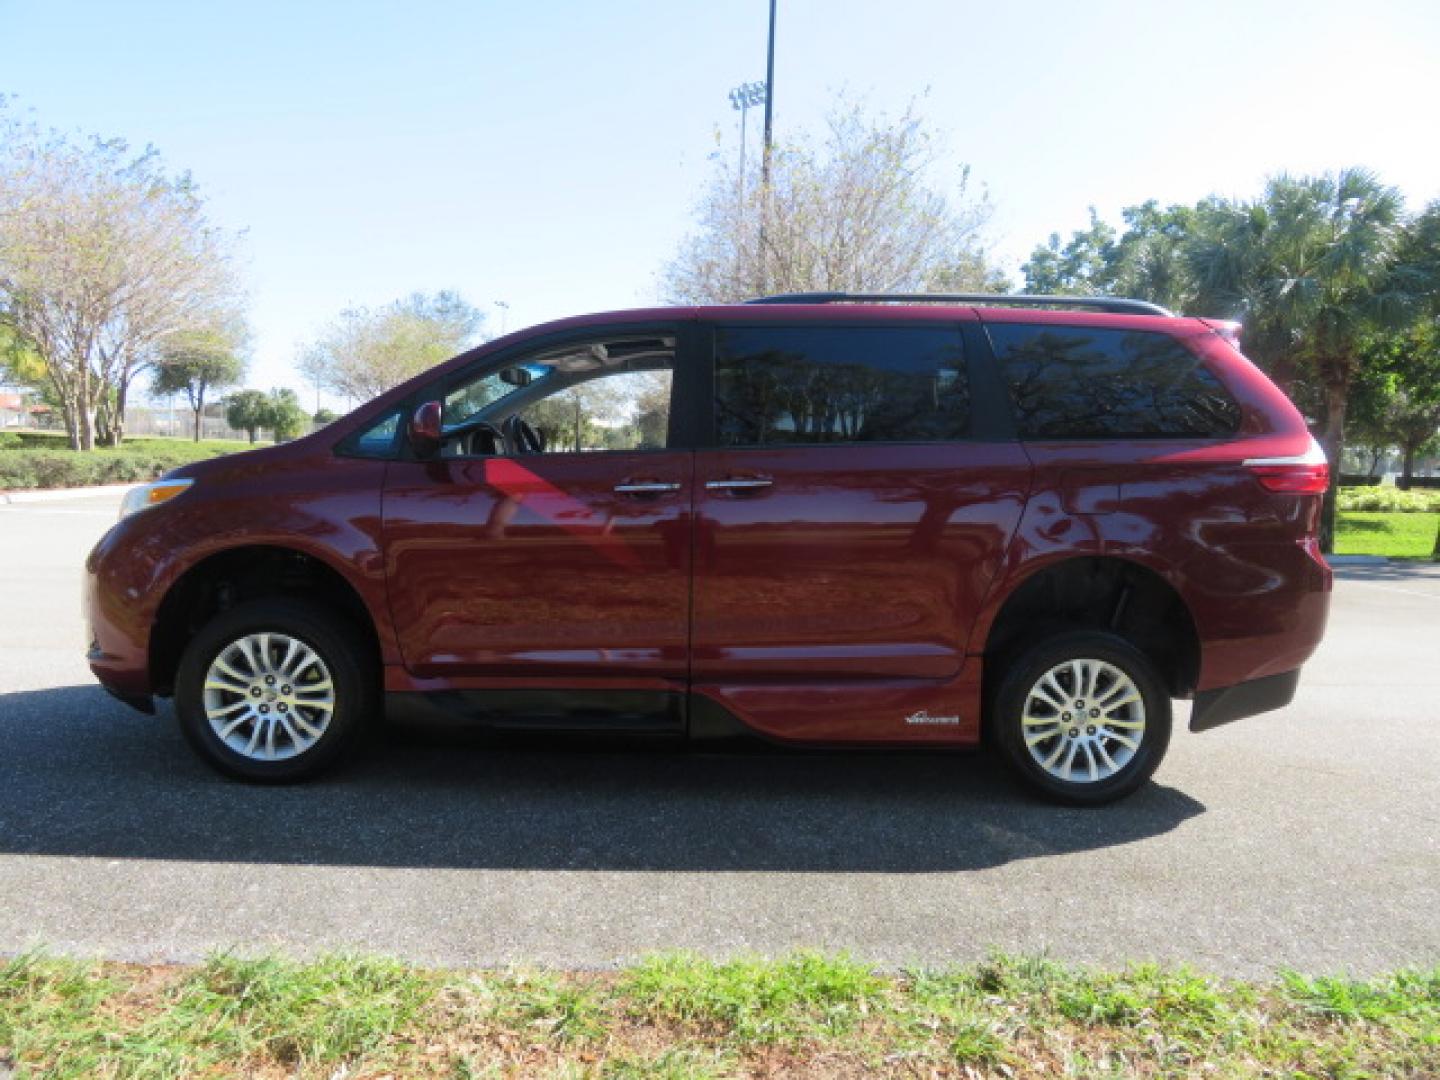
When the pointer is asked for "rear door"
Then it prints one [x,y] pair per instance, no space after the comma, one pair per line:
[854,503]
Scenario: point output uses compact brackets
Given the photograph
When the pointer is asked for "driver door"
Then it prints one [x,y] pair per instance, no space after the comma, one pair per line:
[570,563]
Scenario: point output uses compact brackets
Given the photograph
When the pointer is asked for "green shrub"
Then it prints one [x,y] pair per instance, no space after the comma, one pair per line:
[1389,500]
[136,461]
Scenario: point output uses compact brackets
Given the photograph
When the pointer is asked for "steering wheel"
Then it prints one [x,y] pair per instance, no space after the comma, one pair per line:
[466,434]
[521,437]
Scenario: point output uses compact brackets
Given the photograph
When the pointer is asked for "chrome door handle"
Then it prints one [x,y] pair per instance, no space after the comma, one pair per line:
[645,488]
[749,483]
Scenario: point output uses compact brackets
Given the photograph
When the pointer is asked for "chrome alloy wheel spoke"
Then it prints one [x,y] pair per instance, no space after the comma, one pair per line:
[1083,721]
[268,696]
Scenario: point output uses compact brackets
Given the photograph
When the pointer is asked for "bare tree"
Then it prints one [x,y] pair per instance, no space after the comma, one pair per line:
[861,210]
[103,257]
[366,351]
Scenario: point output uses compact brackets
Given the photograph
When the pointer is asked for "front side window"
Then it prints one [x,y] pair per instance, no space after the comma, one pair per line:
[597,395]
[1071,382]
[789,385]
[627,410]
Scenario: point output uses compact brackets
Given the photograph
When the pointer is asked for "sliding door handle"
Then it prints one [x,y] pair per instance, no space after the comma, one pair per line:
[739,483]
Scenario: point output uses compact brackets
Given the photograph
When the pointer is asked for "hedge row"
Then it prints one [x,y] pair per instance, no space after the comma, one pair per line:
[25,468]
[1389,500]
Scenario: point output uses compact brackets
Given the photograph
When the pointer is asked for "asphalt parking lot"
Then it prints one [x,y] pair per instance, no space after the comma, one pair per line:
[1308,838]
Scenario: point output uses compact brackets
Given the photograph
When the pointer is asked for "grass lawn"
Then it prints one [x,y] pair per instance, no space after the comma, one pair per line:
[677,1015]
[1396,535]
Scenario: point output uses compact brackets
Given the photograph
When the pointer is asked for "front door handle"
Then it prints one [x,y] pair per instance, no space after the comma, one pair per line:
[739,483]
[645,487]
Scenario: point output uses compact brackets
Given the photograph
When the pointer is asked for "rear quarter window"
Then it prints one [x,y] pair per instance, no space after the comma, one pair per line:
[1071,382]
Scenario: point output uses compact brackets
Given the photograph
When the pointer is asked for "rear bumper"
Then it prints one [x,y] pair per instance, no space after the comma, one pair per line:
[1224,704]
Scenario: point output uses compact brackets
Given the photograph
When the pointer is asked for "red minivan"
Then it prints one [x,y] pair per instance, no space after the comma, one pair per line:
[823,519]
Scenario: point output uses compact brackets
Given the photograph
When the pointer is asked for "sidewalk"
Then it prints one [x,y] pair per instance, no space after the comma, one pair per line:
[57,494]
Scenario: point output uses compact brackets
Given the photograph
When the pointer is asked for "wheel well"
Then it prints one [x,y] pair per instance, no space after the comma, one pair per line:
[231,577]
[1122,597]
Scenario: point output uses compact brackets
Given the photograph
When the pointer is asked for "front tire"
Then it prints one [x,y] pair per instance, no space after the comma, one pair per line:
[1083,717]
[273,690]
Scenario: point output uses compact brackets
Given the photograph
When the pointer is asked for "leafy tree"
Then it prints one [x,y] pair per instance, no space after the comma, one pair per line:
[1083,266]
[285,418]
[1396,397]
[366,351]
[248,411]
[194,364]
[1145,261]
[861,208]
[325,416]
[1311,269]
[103,256]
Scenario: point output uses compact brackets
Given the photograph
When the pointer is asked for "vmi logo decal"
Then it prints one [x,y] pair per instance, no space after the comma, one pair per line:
[923,717]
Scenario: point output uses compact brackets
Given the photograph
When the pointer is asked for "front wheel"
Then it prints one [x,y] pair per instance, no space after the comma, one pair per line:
[273,690]
[1083,717]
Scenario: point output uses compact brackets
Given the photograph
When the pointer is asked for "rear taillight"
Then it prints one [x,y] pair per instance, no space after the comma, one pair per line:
[1303,474]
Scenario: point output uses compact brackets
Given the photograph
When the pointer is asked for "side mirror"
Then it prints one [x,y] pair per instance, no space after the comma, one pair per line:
[426,429]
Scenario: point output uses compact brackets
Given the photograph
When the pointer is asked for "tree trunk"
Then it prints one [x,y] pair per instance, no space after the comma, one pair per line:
[199,411]
[86,427]
[1332,440]
[117,418]
[1375,456]
[1407,467]
[70,413]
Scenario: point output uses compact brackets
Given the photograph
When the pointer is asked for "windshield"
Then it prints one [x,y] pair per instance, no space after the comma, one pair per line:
[468,399]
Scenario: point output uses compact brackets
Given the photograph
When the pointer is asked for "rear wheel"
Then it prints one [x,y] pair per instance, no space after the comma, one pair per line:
[273,690]
[1083,717]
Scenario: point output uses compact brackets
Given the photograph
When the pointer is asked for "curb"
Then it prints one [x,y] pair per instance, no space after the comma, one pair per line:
[59,494]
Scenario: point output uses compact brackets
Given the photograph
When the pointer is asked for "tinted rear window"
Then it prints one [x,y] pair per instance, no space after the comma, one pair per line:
[1069,382]
[799,384]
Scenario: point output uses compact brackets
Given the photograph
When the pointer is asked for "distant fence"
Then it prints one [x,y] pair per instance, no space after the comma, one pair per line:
[143,421]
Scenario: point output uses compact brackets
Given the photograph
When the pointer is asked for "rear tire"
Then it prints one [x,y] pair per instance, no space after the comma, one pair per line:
[274,690]
[1083,717]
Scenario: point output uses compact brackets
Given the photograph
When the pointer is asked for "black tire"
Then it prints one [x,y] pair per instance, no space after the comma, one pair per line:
[1027,669]
[338,646]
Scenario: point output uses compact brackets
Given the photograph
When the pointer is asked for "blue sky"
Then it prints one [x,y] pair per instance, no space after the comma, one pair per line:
[549,155]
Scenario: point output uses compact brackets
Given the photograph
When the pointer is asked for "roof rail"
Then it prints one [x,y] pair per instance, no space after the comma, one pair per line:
[1115,304]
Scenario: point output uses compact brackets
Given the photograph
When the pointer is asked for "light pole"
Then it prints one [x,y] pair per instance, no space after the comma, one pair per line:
[743,98]
[769,95]
[765,153]
[504,306]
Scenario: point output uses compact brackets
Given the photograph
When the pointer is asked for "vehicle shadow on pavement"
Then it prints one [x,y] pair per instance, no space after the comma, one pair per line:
[82,775]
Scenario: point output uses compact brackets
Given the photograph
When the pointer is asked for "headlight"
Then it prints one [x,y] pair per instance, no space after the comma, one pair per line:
[147,495]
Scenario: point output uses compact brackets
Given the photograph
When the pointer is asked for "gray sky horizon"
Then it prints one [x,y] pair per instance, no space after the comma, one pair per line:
[549,157]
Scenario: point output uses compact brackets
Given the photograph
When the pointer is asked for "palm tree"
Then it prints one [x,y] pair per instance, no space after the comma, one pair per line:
[1310,268]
